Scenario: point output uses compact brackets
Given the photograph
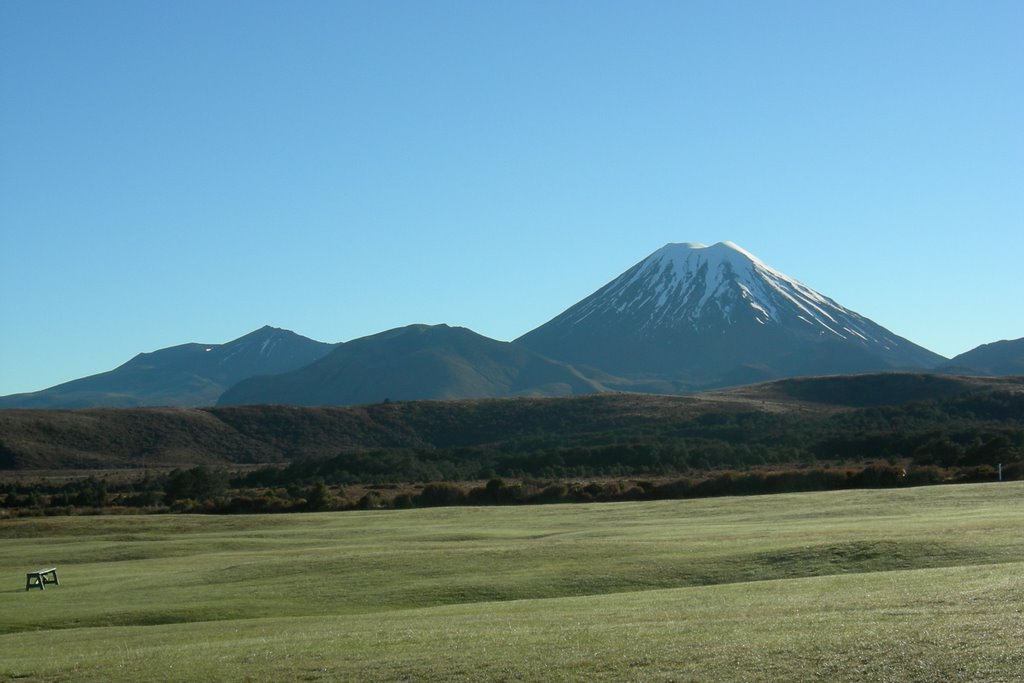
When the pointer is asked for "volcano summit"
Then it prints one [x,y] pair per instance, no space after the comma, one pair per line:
[692,316]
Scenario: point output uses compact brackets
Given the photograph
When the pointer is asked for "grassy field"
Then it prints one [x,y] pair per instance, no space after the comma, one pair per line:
[921,584]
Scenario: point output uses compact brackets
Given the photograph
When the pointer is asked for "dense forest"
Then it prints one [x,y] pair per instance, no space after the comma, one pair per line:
[591,448]
[965,431]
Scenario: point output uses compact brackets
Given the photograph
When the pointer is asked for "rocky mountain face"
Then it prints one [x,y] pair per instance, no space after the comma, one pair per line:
[184,375]
[998,358]
[416,362]
[691,316]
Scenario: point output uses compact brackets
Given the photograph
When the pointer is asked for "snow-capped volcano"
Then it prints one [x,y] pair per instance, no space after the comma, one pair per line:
[693,285]
[718,315]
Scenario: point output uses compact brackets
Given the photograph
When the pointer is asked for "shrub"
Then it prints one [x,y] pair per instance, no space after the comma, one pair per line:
[371,501]
[319,497]
[198,483]
[440,494]
[553,493]
[879,476]
[1013,471]
[921,476]
[402,501]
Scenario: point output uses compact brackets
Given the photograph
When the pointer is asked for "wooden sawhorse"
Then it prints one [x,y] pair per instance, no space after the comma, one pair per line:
[41,578]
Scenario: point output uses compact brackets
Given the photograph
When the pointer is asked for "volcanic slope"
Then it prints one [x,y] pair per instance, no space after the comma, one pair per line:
[416,362]
[691,316]
[183,375]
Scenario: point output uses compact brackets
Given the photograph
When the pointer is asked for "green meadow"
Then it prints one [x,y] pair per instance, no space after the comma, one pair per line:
[922,584]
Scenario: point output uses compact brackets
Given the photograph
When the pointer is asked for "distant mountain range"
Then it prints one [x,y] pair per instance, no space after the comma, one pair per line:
[184,375]
[688,317]
[416,362]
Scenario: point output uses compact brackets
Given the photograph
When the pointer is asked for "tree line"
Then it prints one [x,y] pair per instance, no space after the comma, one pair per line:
[961,438]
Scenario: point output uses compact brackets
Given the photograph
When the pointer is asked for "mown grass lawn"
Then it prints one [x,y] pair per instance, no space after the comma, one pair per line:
[919,584]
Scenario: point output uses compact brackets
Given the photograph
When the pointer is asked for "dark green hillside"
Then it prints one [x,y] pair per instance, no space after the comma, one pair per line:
[961,432]
[968,422]
[149,437]
[862,391]
[417,362]
[108,438]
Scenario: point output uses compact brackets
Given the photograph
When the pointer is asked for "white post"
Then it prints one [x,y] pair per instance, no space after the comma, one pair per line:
[1000,471]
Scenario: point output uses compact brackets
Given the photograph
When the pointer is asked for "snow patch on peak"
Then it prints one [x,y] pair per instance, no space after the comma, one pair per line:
[690,284]
[723,247]
[681,246]
[732,246]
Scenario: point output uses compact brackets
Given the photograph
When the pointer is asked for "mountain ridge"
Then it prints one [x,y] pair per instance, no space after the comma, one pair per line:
[415,362]
[187,374]
[686,318]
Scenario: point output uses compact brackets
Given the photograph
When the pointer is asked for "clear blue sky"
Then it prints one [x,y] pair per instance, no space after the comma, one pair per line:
[192,170]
